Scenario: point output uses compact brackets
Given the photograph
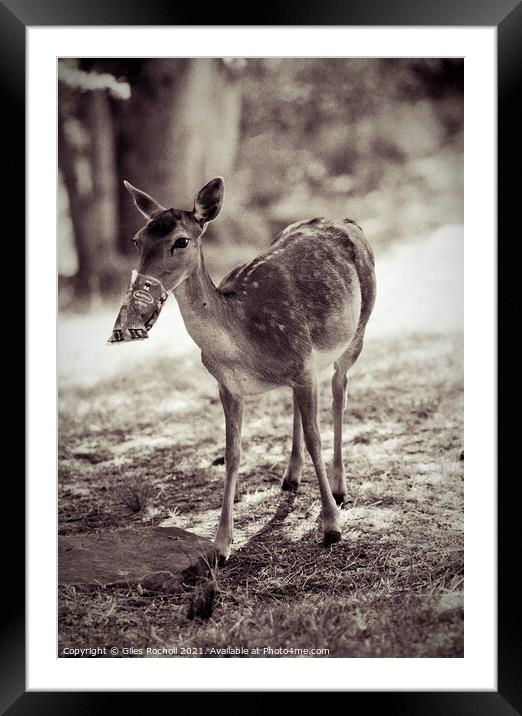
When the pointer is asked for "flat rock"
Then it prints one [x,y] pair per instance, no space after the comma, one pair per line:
[161,559]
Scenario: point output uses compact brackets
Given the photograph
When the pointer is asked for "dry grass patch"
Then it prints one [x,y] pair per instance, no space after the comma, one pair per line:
[145,450]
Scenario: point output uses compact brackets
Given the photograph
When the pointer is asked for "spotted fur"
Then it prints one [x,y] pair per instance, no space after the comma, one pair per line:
[298,296]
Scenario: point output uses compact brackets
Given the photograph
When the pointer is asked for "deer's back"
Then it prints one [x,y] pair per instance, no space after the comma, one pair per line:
[306,296]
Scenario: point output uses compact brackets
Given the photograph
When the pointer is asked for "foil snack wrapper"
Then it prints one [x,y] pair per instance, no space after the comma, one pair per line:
[140,309]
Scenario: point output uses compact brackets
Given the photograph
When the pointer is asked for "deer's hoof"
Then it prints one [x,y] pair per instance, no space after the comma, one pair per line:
[331,538]
[221,554]
[219,559]
[340,499]
[288,486]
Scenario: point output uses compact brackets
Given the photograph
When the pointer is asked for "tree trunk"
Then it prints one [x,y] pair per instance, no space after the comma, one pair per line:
[66,161]
[179,129]
[102,215]
[93,200]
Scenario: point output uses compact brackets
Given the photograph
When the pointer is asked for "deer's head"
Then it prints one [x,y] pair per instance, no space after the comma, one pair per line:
[169,243]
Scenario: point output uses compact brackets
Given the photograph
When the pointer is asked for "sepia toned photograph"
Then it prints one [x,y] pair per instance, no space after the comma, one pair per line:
[260,357]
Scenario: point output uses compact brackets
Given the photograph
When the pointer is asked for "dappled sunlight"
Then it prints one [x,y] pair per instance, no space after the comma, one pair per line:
[303,521]
[142,443]
[371,517]
[251,515]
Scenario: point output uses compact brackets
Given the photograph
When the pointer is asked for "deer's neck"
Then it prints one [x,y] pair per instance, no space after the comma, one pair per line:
[206,312]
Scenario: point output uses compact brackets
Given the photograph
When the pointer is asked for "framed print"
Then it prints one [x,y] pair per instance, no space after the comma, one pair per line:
[255,254]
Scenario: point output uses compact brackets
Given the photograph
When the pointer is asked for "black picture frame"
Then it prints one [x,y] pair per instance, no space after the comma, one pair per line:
[506,15]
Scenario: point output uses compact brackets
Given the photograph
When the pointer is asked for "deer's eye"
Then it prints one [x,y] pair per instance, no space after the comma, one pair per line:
[136,245]
[180,243]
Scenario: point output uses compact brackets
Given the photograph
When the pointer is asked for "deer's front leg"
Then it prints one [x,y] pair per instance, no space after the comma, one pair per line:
[233,408]
[292,476]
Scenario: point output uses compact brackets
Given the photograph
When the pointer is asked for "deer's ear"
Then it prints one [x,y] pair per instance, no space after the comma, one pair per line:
[209,201]
[145,203]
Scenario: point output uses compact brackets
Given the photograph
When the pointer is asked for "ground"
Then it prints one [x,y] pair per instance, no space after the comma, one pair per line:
[141,437]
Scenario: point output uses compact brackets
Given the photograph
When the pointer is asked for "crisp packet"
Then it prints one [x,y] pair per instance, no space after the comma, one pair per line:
[140,309]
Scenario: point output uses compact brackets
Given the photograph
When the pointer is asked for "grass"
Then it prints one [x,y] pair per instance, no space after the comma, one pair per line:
[144,448]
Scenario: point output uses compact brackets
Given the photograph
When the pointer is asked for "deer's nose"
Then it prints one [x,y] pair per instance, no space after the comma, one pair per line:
[149,268]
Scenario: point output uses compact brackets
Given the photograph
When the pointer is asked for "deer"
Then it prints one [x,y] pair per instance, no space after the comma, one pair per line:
[298,307]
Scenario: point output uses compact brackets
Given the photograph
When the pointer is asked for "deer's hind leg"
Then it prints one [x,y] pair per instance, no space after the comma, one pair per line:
[339,395]
[307,398]
[294,468]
